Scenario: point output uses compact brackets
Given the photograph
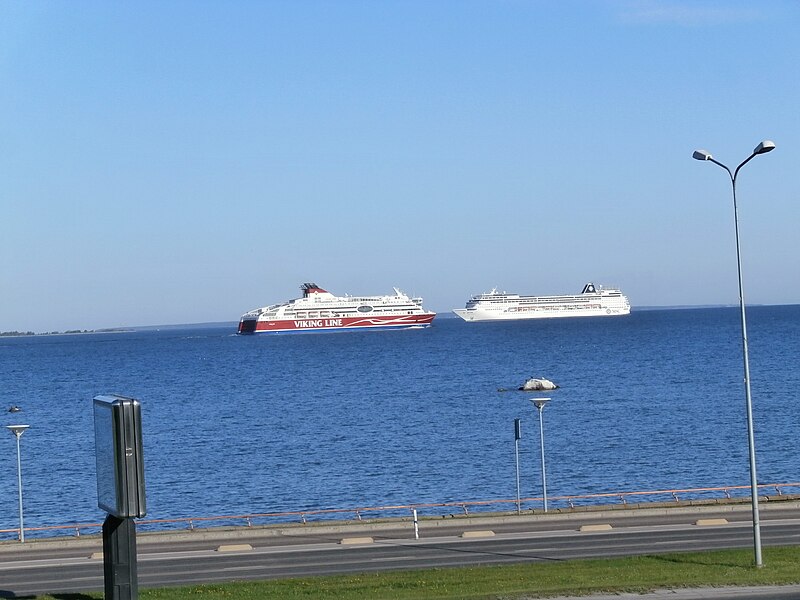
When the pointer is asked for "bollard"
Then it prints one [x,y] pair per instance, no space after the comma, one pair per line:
[416,525]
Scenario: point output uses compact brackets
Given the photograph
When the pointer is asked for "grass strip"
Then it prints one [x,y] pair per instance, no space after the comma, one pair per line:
[509,582]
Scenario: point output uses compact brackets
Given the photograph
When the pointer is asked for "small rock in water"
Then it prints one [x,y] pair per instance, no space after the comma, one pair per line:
[538,385]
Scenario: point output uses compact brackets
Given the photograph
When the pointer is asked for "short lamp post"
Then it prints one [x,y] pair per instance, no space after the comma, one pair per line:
[18,430]
[539,404]
[762,148]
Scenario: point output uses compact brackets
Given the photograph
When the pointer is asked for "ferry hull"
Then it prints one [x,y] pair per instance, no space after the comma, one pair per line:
[254,325]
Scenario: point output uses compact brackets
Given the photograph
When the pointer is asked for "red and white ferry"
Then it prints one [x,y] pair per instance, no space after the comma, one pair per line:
[318,310]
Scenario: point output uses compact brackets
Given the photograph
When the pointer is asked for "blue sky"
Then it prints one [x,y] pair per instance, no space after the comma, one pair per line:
[181,162]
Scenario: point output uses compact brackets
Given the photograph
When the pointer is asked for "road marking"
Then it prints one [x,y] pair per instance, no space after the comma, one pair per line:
[234,548]
[706,522]
[356,540]
[477,534]
[598,527]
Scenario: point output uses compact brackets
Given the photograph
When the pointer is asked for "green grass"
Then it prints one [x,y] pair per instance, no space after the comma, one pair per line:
[537,580]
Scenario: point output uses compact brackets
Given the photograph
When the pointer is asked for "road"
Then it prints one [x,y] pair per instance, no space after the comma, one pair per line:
[205,556]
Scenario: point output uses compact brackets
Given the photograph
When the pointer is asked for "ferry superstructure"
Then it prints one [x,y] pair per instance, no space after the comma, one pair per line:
[319,310]
[593,301]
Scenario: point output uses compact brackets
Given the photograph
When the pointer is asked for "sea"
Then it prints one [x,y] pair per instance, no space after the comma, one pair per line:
[240,425]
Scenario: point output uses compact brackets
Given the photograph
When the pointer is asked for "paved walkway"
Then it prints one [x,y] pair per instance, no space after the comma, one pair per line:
[780,592]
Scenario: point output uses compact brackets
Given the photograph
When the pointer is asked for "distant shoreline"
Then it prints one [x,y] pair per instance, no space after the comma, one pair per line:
[441,315]
[14,334]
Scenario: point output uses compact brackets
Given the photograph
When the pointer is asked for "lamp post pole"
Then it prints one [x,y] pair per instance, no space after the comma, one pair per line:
[18,430]
[762,148]
[539,404]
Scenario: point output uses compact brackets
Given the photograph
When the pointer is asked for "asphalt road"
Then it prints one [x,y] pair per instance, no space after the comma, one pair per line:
[199,556]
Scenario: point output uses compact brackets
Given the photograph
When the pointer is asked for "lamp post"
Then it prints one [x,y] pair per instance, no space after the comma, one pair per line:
[18,430]
[539,404]
[762,148]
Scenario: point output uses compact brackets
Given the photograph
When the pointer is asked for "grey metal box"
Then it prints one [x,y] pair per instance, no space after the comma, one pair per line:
[119,456]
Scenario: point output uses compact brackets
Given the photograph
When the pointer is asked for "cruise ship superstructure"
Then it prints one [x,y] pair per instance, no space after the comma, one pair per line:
[319,310]
[593,301]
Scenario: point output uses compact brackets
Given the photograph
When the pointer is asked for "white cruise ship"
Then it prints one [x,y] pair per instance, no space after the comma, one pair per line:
[319,310]
[593,301]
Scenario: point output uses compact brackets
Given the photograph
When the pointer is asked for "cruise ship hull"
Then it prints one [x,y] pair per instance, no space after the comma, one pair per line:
[537,313]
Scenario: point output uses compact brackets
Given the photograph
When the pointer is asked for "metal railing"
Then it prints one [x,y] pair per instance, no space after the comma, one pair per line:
[529,505]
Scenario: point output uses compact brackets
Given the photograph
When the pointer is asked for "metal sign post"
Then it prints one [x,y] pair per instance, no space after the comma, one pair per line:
[120,489]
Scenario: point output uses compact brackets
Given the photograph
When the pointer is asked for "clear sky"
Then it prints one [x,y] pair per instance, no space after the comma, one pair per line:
[183,162]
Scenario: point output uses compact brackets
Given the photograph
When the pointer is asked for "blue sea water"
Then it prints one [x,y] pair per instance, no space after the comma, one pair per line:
[254,424]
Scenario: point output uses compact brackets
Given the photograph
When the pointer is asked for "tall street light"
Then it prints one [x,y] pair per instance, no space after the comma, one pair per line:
[18,430]
[539,404]
[762,148]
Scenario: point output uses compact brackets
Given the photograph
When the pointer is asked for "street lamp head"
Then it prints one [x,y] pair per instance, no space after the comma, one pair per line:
[17,430]
[764,147]
[701,155]
[540,402]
